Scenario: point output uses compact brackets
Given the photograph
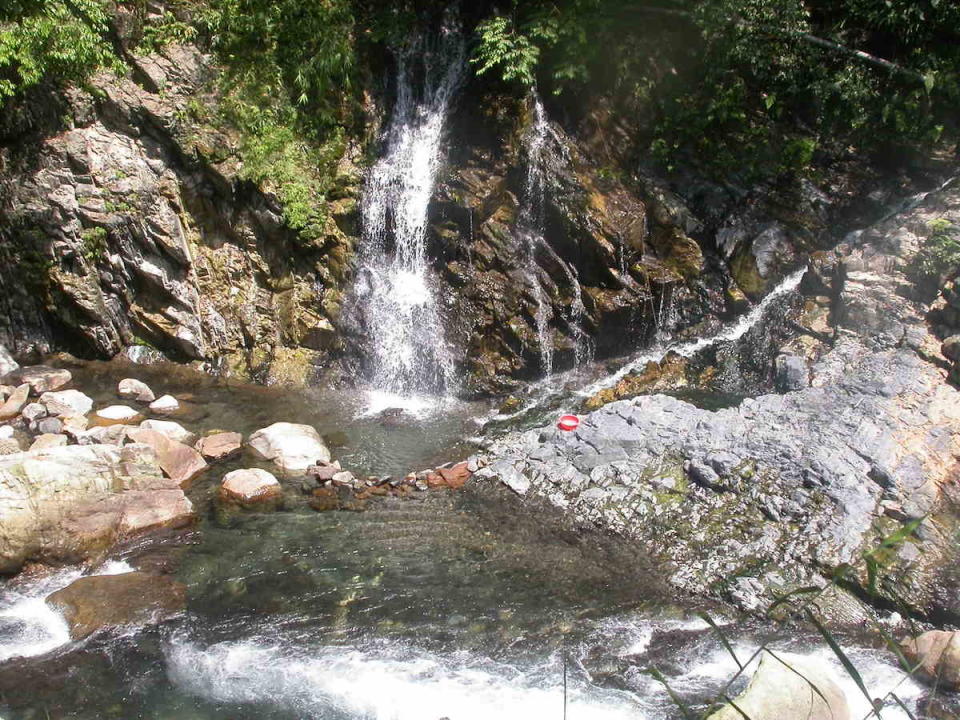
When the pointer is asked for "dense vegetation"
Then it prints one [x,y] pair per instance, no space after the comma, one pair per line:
[726,84]
[740,82]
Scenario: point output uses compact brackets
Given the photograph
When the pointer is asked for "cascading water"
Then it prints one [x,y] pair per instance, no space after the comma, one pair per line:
[530,229]
[407,354]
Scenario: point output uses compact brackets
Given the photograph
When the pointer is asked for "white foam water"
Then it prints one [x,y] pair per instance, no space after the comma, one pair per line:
[730,333]
[388,683]
[407,351]
[880,676]
[28,626]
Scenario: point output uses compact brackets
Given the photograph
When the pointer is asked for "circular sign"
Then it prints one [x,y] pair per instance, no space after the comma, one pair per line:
[568,422]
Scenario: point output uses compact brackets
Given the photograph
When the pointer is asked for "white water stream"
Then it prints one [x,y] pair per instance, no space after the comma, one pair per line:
[386,680]
[407,352]
[531,227]
[28,625]
[730,333]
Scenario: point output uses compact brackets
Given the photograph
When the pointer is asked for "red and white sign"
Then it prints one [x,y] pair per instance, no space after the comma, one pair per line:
[568,422]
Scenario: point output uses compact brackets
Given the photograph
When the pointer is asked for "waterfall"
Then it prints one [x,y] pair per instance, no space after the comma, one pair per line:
[406,352]
[530,230]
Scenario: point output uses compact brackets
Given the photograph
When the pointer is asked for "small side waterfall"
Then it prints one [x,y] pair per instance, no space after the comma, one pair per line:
[530,230]
[407,354]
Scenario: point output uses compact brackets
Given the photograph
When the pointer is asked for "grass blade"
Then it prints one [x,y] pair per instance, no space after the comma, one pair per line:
[844,660]
[723,638]
[658,676]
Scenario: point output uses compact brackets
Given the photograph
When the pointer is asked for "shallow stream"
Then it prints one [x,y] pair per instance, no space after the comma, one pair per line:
[456,605]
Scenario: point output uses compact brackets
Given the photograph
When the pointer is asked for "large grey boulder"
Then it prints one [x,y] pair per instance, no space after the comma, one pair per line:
[788,687]
[293,448]
[67,503]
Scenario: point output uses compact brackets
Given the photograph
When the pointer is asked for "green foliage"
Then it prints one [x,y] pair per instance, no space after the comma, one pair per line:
[940,255]
[305,51]
[94,246]
[52,40]
[165,30]
[745,86]
[503,48]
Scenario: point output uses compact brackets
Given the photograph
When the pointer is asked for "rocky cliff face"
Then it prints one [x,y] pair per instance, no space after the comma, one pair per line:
[124,221]
[787,490]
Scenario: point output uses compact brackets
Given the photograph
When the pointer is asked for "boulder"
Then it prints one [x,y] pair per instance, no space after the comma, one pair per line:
[117,415]
[10,446]
[46,441]
[61,504]
[131,389]
[164,405]
[40,378]
[937,655]
[293,448]
[15,403]
[7,363]
[951,348]
[67,403]
[250,486]
[179,461]
[455,477]
[220,446]
[102,601]
[782,688]
[173,430]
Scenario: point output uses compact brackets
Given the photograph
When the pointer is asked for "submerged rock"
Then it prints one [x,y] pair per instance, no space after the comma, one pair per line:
[131,389]
[173,430]
[104,601]
[220,446]
[788,687]
[937,655]
[293,448]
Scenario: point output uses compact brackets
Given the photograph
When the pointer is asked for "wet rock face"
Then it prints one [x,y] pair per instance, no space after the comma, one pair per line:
[128,224]
[937,656]
[751,501]
[614,263]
